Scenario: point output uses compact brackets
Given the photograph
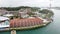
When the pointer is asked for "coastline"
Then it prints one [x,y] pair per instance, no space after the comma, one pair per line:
[27,28]
[44,16]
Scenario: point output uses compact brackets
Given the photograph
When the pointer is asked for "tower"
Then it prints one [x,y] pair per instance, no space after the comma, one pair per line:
[50,5]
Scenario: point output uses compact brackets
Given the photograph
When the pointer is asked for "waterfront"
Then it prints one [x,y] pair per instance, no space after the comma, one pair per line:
[52,28]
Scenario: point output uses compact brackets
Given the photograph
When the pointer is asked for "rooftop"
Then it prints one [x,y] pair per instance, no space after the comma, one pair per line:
[3,18]
[25,22]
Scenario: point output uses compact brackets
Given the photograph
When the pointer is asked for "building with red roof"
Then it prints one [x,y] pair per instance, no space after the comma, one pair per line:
[25,22]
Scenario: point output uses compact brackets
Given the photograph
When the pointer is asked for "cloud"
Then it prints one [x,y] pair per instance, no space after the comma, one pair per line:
[37,3]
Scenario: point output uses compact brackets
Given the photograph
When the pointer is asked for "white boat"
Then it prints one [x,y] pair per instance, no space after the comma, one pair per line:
[4,22]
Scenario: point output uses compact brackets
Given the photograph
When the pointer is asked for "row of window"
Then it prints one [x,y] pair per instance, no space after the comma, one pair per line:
[4,23]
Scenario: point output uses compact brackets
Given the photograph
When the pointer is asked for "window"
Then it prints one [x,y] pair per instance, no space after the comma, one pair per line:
[6,22]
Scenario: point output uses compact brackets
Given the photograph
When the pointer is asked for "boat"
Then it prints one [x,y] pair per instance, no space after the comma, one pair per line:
[4,23]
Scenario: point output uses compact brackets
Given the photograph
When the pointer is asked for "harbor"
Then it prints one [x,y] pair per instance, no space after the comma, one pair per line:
[52,28]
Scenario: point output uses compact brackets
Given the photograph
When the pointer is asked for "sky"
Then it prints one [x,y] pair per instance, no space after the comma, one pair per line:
[33,3]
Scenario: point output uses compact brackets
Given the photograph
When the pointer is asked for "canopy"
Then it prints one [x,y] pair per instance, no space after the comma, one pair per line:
[3,18]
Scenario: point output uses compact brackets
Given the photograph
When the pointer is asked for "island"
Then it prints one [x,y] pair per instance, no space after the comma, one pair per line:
[24,17]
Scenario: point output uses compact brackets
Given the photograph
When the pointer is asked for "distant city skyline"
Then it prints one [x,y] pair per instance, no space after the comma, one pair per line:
[33,3]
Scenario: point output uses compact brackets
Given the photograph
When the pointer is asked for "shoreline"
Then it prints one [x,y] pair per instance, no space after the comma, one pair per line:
[26,28]
[44,16]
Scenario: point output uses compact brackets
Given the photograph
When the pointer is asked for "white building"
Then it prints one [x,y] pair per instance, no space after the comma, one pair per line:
[8,15]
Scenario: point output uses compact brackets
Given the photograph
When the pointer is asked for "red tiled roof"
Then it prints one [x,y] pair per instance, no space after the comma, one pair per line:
[25,22]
